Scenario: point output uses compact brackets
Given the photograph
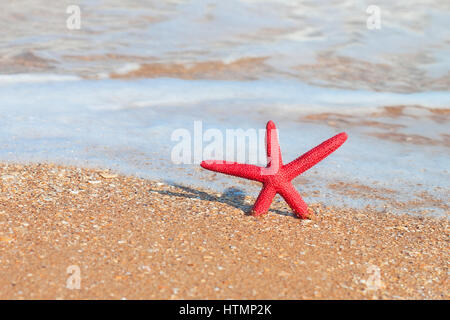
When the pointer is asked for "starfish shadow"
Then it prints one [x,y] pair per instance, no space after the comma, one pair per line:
[232,196]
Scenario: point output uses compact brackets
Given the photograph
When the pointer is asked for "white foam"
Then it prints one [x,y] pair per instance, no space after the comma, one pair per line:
[128,67]
[8,79]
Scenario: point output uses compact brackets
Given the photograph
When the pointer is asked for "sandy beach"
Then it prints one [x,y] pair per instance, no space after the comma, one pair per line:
[139,239]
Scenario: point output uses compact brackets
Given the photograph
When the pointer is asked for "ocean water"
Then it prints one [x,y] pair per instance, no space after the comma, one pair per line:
[112,93]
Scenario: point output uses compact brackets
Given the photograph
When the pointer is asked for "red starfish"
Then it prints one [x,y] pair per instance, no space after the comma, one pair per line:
[277,177]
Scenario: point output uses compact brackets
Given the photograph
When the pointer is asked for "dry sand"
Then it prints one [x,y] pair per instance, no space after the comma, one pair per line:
[140,239]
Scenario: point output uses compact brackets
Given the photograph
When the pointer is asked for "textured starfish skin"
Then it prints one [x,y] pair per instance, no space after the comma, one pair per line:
[276,177]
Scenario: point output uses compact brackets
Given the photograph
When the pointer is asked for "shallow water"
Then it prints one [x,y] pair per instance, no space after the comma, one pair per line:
[112,93]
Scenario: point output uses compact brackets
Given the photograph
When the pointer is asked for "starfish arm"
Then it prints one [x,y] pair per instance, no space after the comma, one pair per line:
[246,171]
[264,200]
[295,201]
[313,156]
[273,146]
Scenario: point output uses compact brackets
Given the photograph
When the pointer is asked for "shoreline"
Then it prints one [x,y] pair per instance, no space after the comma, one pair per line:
[139,239]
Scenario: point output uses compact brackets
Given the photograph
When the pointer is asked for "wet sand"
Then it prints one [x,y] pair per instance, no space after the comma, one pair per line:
[139,239]
[240,69]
